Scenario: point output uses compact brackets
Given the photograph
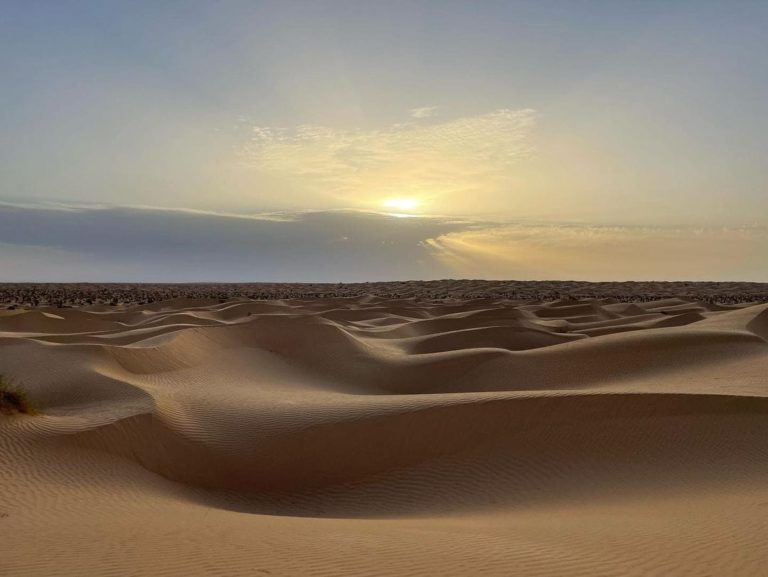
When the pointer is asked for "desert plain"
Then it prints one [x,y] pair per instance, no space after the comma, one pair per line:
[385,429]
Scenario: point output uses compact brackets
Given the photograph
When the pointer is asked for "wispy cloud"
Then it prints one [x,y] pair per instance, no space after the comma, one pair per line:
[432,162]
[589,252]
[423,112]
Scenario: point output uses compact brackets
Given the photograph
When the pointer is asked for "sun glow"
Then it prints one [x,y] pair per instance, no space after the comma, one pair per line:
[402,204]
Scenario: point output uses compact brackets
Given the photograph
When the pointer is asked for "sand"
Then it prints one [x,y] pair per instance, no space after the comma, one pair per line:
[368,436]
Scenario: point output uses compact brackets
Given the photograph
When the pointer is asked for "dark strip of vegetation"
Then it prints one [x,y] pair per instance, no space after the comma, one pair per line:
[85,294]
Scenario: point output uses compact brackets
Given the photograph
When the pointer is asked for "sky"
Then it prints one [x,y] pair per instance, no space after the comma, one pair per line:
[323,140]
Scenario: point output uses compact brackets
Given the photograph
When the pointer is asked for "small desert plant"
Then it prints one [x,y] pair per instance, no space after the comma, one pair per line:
[14,400]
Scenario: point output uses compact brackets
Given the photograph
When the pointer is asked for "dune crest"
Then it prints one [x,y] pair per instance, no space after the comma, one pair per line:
[366,435]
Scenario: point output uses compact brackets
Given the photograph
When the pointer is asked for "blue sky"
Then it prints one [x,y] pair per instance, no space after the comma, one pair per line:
[632,117]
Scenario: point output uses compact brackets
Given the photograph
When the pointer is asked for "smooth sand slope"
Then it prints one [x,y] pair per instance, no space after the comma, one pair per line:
[370,436]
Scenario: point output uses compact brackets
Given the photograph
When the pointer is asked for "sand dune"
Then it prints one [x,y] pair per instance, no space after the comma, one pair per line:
[366,435]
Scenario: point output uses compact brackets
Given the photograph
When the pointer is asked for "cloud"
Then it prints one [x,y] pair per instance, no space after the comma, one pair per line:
[589,252]
[424,112]
[102,244]
[129,244]
[439,164]
[82,206]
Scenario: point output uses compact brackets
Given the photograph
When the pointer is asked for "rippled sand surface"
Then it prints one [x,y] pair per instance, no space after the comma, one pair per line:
[368,436]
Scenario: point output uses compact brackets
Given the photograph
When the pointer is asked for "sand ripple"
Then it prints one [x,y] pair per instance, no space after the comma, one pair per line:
[375,436]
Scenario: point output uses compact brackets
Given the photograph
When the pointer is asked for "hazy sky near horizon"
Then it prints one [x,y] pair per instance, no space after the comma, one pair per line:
[275,140]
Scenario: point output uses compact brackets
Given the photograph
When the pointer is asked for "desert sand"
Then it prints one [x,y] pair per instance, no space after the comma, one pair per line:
[368,436]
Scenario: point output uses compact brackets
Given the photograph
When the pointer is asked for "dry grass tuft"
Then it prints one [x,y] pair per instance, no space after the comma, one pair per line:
[14,400]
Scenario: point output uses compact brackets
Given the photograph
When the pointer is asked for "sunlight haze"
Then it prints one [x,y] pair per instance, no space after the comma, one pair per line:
[637,121]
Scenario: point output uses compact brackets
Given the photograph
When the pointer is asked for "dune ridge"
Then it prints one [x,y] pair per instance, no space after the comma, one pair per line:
[368,435]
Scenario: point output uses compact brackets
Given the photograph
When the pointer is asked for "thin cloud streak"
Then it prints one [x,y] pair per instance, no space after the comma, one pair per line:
[80,207]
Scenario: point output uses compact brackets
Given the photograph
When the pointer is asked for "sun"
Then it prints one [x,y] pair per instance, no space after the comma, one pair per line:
[403,204]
